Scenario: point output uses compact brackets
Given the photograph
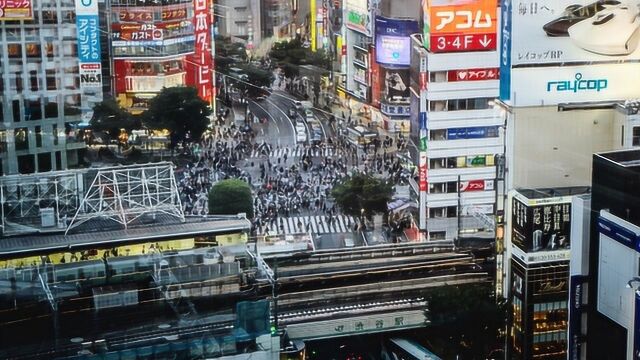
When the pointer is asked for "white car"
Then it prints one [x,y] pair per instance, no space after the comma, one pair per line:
[300,128]
[301,137]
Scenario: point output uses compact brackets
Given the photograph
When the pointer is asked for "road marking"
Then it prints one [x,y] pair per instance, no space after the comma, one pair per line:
[268,114]
[293,129]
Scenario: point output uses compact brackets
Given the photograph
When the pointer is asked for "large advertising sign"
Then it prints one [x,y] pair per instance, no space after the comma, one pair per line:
[145,14]
[506,7]
[88,44]
[16,10]
[565,32]
[459,25]
[393,44]
[358,16]
[136,32]
[538,86]
[543,227]
[476,185]
[201,75]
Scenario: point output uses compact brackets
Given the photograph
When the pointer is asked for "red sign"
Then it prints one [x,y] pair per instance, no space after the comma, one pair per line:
[16,10]
[134,14]
[201,62]
[177,12]
[467,42]
[423,81]
[423,178]
[474,74]
[473,185]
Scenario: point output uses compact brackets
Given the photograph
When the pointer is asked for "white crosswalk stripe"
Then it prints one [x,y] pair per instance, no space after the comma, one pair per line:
[298,152]
[318,224]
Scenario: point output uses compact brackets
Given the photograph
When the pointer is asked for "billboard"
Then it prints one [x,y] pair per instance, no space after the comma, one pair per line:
[477,132]
[393,44]
[146,14]
[16,10]
[541,227]
[566,32]
[201,62]
[87,30]
[358,16]
[136,32]
[459,25]
[476,185]
[537,86]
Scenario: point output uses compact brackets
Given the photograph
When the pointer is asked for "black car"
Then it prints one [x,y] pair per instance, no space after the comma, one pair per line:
[574,14]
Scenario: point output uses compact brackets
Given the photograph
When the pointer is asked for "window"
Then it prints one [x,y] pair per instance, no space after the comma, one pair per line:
[33,80]
[437,235]
[438,76]
[443,212]
[440,134]
[38,131]
[14,50]
[460,104]
[51,80]
[636,136]
[21,138]
[49,17]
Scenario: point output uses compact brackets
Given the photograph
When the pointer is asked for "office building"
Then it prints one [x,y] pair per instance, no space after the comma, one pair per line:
[51,76]
[158,45]
[538,254]
[457,133]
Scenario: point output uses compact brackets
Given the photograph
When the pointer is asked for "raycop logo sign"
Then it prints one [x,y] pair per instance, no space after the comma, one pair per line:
[579,84]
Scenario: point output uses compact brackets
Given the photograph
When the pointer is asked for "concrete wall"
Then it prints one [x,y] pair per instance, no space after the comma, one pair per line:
[551,148]
[401,9]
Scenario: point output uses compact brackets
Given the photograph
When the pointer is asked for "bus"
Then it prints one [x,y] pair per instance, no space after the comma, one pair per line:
[402,349]
[360,136]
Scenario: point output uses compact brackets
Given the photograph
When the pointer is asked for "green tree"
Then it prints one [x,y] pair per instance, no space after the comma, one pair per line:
[110,117]
[230,197]
[362,191]
[179,110]
[256,78]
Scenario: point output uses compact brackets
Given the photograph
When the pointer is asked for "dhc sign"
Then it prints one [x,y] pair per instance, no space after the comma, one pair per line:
[579,84]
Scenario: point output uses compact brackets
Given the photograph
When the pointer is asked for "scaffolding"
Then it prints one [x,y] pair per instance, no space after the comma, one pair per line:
[35,202]
[124,194]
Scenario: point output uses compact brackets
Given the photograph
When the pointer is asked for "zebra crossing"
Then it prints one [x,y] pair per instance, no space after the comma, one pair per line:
[318,224]
[297,152]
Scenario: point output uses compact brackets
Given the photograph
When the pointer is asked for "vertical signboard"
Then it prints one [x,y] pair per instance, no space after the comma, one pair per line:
[16,10]
[460,25]
[423,137]
[201,60]
[505,52]
[358,16]
[576,288]
[88,44]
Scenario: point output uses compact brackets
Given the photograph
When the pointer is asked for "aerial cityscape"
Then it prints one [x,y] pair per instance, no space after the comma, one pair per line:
[320,179]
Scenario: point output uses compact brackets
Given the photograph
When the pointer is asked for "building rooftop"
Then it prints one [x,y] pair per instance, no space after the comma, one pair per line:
[554,192]
[625,158]
[92,233]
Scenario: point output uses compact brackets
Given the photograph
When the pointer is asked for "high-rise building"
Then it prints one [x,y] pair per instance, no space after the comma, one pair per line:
[604,316]
[240,20]
[160,44]
[458,135]
[539,252]
[51,76]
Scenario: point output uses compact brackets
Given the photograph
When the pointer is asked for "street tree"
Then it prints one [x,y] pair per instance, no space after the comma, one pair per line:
[230,197]
[362,191]
[109,117]
[256,79]
[180,111]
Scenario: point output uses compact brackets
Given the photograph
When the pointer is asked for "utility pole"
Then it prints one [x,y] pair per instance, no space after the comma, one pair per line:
[459,210]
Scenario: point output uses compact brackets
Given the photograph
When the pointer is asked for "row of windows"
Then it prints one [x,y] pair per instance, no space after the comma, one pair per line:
[45,108]
[458,162]
[18,84]
[455,134]
[154,50]
[461,104]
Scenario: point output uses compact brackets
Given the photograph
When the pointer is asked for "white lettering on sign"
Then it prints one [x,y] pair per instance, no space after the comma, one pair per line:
[467,22]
